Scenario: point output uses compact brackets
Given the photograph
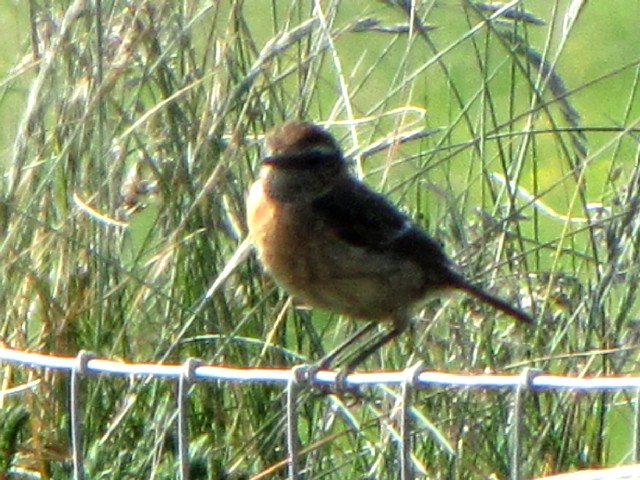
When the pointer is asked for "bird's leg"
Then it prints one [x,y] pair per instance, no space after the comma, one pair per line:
[328,359]
[400,324]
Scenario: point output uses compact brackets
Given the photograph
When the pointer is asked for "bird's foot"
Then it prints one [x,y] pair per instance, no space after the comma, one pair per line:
[351,394]
[348,393]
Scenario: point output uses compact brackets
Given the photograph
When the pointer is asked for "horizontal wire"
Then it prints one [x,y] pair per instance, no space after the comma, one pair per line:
[273,375]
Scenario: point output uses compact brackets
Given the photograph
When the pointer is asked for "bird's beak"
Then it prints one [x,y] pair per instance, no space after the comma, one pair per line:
[280,161]
[271,161]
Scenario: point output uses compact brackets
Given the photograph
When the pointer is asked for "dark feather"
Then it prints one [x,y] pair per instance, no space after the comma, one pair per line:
[360,216]
[366,219]
[308,159]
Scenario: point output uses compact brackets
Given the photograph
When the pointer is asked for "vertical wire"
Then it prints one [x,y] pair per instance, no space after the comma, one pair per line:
[636,429]
[81,368]
[518,428]
[408,385]
[297,378]
[184,382]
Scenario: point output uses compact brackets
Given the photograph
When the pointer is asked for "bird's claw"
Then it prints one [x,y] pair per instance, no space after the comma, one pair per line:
[340,386]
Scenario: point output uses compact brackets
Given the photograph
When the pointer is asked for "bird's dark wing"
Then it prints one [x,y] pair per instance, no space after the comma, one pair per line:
[364,218]
[360,216]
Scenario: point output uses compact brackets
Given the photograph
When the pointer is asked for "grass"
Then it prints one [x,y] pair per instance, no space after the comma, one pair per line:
[136,133]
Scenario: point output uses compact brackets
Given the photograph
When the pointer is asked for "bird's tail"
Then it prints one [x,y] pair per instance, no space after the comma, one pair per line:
[496,302]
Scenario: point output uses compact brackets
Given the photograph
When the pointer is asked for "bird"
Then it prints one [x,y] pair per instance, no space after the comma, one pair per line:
[335,244]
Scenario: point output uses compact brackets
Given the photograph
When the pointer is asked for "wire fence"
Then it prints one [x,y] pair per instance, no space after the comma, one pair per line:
[296,380]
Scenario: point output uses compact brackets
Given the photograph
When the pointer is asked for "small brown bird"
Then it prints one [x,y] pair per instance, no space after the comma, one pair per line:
[335,244]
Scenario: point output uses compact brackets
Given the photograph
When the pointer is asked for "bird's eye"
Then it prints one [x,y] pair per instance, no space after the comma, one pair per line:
[317,157]
[308,159]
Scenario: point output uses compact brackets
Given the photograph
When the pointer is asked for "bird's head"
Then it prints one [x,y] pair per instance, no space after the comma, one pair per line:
[303,162]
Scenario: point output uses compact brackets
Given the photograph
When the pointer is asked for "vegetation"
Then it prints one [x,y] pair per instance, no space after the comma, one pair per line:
[131,132]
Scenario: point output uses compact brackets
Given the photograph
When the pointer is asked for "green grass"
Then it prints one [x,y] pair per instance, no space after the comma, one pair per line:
[132,132]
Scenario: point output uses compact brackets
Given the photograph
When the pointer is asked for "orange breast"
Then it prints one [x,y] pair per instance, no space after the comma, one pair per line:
[311,263]
[280,237]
